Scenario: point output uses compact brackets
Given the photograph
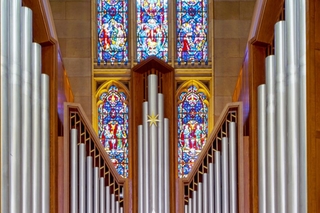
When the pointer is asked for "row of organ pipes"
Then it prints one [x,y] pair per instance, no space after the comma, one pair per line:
[92,187]
[25,132]
[282,117]
[216,189]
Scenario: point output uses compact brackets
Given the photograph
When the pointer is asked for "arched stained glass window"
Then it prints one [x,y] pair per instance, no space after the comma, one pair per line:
[112,23]
[192,127]
[192,28]
[113,127]
[152,29]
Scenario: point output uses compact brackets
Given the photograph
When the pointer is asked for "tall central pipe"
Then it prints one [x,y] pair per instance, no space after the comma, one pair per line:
[153,140]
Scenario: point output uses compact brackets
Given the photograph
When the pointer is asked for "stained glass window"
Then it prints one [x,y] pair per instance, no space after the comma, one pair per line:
[152,29]
[113,127]
[192,127]
[112,23]
[192,30]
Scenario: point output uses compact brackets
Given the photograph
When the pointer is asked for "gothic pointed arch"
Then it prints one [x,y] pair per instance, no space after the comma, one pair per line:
[113,123]
[192,114]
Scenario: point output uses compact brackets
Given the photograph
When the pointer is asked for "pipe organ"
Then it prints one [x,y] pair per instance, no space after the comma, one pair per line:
[282,117]
[24,115]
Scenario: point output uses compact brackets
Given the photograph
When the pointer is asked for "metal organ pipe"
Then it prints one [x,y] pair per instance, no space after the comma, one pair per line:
[14,83]
[262,147]
[140,169]
[146,155]
[211,185]
[89,184]
[26,130]
[303,105]
[45,145]
[271,134]
[217,181]
[153,140]
[161,153]
[233,180]
[74,171]
[293,107]
[82,178]
[166,166]
[225,174]
[96,190]
[36,123]
[4,108]
[281,93]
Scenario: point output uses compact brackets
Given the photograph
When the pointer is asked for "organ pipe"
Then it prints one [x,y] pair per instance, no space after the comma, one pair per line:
[14,83]
[161,153]
[262,147]
[102,195]
[140,169]
[96,194]
[293,107]
[74,171]
[153,140]
[45,145]
[225,175]
[233,180]
[211,185]
[36,123]
[89,184]
[166,166]
[146,155]
[4,108]
[280,55]
[26,130]
[303,106]
[271,134]
[82,178]
[217,181]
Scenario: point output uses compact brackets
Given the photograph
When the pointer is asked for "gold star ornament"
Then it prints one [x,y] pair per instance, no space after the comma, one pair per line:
[153,119]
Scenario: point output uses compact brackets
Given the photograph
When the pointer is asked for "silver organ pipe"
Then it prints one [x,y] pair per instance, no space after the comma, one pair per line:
[82,178]
[233,180]
[14,111]
[96,190]
[45,145]
[26,42]
[217,182]
[225,175]
[102,195]
[4,108]
[271,134]
[262,153]
[280,54]
[74,171]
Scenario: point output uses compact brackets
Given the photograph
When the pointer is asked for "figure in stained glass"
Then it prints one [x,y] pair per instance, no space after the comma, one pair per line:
[113,127]
[192,128]
[192,30]
[112,28]
[152,29]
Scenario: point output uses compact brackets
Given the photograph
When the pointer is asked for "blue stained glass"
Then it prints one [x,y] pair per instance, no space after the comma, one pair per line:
[152,29]
[112,26]
[192,128]
[113,127]
[192,29]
